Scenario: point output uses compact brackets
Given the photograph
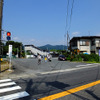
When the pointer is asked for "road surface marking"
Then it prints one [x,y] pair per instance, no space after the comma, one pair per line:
[87,65]
[5,80]
[67,92]
[65,70]
[10,86]
[14,96]
[9,89]
[7,84]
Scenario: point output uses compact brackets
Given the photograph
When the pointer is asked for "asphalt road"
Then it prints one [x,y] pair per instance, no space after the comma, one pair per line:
[54,77]
[31,67]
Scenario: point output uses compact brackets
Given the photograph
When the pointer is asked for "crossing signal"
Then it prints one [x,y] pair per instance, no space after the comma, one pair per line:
[8,36]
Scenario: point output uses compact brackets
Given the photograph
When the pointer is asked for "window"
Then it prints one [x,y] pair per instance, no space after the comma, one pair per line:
[84,43]
[93,42]
[74,43]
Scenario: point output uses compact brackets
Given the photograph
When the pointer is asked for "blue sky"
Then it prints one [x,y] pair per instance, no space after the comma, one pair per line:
[41,22]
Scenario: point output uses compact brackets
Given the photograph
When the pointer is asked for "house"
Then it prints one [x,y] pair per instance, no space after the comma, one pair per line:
[86,44]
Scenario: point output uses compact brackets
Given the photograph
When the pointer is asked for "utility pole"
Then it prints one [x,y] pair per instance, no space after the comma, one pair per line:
[1,14]
[1,11]
[67,40]
[20,51]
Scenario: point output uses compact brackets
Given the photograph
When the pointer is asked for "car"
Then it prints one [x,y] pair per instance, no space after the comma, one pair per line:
[62,57]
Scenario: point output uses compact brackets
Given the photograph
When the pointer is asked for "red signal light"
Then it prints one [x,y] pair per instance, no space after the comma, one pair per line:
[8,34]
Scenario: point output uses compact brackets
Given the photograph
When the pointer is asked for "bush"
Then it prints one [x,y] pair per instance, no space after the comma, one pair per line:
[68,58]
[76,58]
[94,57]
[84,57]
[91,57]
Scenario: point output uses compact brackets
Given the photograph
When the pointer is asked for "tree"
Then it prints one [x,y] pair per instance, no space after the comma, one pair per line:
[17,48]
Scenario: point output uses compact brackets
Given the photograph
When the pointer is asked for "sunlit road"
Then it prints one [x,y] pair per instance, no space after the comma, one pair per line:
[54,77]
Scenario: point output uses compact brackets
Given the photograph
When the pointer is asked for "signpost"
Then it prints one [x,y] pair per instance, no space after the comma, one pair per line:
[10,56]
[99,55]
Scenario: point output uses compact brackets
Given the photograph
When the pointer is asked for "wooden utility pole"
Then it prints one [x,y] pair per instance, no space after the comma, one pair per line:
[1,11]
[67,40]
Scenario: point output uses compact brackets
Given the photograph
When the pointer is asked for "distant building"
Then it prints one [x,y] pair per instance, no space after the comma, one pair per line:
[86,44]
[34,50]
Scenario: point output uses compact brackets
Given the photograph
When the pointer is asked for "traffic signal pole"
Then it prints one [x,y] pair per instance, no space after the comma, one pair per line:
[1,11]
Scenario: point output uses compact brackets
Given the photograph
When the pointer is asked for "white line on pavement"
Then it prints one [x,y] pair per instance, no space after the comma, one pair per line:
[7,84]
[14,96]
[9,89]
[85,65]
[5,80]
[65,70]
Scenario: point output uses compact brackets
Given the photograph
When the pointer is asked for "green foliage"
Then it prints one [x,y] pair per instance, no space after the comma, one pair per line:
[28,52]
[68,57]
[94,57]
[17,47]
[85,57]
[23,54]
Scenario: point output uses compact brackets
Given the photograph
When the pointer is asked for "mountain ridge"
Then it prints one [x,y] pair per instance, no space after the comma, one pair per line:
[55,47]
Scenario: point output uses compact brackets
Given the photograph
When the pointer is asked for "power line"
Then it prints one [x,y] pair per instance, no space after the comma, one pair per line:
[68,23]
[67,17]
[66,26]
[71,15]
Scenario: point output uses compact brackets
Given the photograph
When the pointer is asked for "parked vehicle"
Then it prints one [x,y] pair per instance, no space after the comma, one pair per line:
[62,57]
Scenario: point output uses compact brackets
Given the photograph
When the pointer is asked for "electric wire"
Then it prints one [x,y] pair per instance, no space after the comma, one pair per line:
[67,17]
[71,15]
[68,23]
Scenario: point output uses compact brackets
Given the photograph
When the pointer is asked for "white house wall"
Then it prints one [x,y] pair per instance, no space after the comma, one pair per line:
[83,48]
[35,51]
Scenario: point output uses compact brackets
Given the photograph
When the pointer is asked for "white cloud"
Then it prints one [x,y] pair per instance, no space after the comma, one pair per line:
[32,40]
[75,33]
[15,38]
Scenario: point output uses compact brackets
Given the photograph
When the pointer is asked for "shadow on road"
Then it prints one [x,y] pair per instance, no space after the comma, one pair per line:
[62,86]
[92,94]
[43,87]
[57,84]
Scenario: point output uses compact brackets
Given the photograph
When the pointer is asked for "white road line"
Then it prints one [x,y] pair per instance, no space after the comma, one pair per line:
[7,84]
[66,70]
[9,89]
[14,96]
[85,65]
[5,80]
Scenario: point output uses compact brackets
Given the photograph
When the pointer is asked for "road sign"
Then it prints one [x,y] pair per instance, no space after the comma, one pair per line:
[10,51]
[99,52]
